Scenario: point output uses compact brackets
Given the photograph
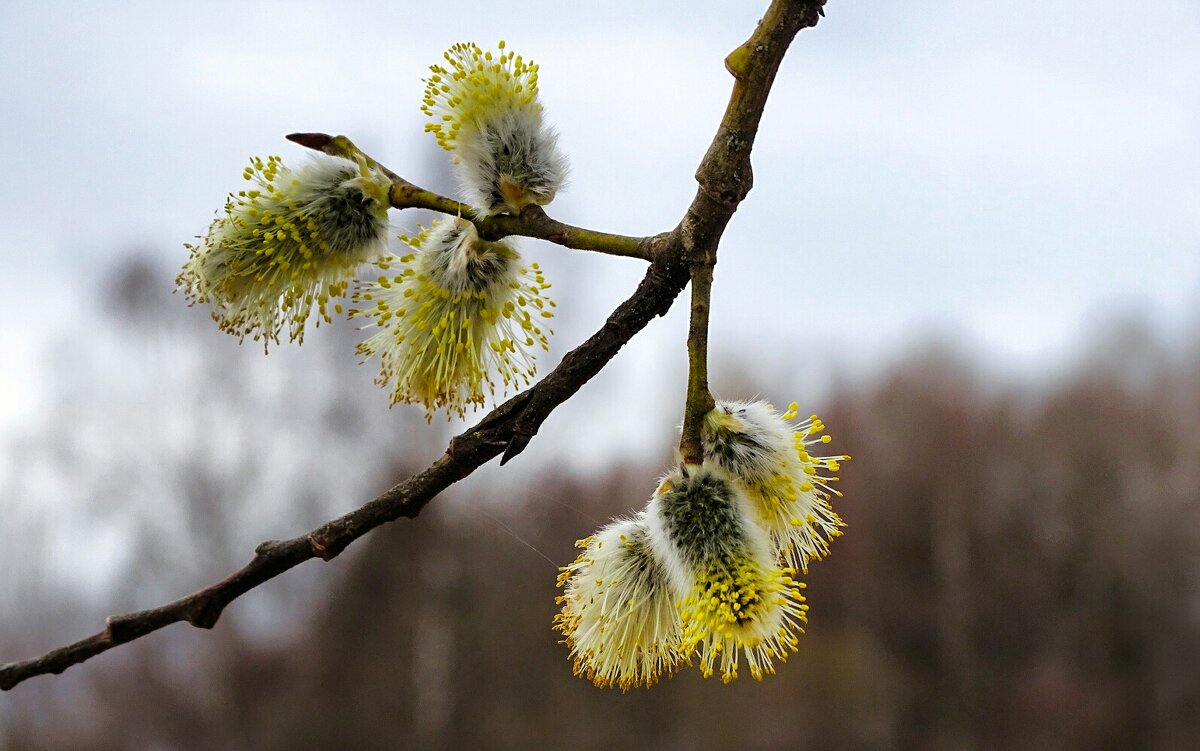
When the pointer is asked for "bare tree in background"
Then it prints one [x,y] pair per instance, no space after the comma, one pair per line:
[158,437]
[431,636]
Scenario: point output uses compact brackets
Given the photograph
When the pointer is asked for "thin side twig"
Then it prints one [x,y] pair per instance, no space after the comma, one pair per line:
[532,221]
[699,401]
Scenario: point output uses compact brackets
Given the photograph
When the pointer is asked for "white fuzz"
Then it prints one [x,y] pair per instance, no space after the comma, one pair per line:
[484,107]
[460,312]
[618,610]
[735,599]
[293,240]
[768,455]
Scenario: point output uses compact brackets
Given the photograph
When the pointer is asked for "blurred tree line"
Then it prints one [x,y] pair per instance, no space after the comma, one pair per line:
[1020,568]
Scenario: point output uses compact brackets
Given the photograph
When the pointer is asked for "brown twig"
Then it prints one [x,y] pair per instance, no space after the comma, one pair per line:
[724,177]
[532,221]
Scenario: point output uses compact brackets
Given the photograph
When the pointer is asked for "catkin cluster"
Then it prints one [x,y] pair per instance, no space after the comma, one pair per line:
[708,571]
[454,317]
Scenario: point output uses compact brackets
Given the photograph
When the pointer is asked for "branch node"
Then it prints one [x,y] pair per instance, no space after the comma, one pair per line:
[122,628]
[515,446]
[533,213]
[329,541]
[737,61]
[207,614]
[320,549]
[266,547]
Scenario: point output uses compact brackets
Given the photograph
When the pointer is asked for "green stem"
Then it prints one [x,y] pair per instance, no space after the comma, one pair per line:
[699,400]
[532,222]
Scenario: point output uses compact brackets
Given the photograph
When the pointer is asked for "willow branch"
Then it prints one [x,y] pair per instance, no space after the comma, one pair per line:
[532,222]
[724,177]
[506,429]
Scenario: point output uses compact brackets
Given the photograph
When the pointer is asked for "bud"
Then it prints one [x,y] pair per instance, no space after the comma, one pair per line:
[618,611]
[453,317]
[789,488]
[735,599]
[485,109]
[291,241]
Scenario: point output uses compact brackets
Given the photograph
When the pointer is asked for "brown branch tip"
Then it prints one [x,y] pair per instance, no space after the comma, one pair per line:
[314,141]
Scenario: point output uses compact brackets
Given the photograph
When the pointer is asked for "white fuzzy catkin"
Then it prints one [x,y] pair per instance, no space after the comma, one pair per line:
[293,240]
[618,609]
[769,456]
[453,318]
[735,599]
[484,107]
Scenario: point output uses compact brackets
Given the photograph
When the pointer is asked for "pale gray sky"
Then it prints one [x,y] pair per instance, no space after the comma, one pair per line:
[1005,173]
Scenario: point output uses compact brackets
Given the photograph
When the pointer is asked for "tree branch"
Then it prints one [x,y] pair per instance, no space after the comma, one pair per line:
[532,221]
[724,177]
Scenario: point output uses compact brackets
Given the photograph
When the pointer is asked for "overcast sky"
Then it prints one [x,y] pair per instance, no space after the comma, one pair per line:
[1007,174]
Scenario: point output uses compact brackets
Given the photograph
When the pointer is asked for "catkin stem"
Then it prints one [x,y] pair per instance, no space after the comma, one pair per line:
[699,401]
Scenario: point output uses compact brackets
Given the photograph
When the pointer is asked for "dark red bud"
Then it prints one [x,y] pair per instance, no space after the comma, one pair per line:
[316,141]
